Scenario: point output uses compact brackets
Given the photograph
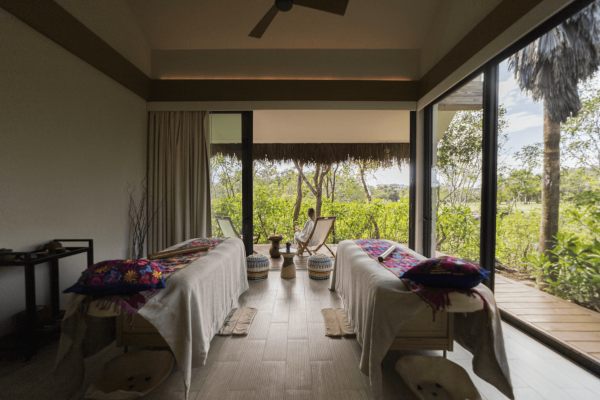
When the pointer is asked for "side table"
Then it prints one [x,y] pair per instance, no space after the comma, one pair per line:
[27,260]
[274,250]
[288,269]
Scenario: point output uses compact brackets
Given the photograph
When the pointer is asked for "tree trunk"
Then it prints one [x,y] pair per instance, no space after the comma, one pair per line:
[316,188]
[319,202]
[550,186]
[362,166]
[298,193]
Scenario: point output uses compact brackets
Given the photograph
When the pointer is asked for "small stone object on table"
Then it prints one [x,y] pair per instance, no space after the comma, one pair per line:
[274,250]
[288,269]
[257,267]
[319,266]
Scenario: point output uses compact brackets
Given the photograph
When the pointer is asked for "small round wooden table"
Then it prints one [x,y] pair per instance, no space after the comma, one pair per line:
[288,269]
[274,250]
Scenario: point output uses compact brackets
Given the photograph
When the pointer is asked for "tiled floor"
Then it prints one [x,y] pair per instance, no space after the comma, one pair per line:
[287,356]
[575,326]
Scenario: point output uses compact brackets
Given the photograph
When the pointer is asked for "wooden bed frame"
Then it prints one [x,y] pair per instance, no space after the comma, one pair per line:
[422,333]
[141,333]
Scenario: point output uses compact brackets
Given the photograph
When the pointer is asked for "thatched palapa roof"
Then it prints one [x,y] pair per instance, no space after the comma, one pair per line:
[311,153]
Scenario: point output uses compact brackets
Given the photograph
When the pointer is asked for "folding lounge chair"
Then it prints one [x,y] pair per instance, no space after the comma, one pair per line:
[321,231]
[226,225]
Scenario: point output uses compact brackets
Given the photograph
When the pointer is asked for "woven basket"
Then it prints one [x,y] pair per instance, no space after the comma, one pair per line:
[319,266]
[258,267]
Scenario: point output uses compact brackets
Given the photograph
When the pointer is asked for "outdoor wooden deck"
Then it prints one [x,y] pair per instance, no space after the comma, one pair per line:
[574,326]
[300,261]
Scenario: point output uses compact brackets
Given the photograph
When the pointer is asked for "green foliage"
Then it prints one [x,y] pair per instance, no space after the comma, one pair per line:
[457,232]
[576,272]
[517,236]
[354,220]
[520,185]
[580,135]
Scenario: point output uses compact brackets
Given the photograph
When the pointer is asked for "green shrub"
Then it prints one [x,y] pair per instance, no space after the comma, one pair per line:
[575,274]
[517,236]
[457,232]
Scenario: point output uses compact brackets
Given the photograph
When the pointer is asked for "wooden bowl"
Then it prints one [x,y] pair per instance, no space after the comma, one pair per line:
[428,375]
[131,375]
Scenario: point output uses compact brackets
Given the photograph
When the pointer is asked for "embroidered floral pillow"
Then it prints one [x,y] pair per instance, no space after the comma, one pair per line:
[119,276]
[446,272]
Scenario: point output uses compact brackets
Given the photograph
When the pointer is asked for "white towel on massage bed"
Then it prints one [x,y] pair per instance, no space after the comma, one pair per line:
[187,313]
[378,304]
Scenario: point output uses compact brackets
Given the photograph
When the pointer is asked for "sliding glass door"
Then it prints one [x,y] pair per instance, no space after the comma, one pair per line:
[231,171]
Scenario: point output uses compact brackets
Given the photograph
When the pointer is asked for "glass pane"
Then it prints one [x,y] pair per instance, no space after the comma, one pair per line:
[456,172]
[226,170]
[548,225]
[356,177]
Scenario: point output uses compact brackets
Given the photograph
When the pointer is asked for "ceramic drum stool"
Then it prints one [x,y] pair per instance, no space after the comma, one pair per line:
[319,266]
[258,267]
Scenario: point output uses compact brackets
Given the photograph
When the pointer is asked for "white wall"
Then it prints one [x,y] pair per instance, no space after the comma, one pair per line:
[70,141]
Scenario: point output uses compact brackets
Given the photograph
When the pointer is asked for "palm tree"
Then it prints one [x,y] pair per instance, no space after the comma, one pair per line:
[549,69]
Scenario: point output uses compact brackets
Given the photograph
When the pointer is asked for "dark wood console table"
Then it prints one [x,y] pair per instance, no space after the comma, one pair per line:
[29,260]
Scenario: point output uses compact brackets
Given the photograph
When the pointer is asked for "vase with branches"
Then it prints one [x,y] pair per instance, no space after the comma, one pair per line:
[139,218]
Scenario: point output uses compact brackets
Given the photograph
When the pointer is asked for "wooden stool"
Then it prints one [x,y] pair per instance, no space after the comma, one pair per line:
[288,269]
[274,250]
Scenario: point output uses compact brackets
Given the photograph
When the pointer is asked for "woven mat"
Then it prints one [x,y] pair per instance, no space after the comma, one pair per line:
[336,322]
[238,322]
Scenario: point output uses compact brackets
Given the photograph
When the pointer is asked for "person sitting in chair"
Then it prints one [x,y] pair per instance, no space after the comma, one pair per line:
[308,227]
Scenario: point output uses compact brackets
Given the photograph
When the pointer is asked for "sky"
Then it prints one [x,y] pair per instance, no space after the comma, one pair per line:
[525,117]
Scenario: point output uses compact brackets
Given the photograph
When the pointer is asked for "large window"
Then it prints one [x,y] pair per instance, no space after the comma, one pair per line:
[456,167]
[226,168]
[231,172]
[549,166]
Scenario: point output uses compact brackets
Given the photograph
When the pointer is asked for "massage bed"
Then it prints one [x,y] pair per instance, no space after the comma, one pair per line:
[184,316]
[385,315]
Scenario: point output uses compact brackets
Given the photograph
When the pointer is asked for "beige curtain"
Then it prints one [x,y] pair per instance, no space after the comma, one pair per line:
[178,177]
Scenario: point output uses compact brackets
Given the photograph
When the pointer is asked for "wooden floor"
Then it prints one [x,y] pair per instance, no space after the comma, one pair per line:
[287,356]
[569,323]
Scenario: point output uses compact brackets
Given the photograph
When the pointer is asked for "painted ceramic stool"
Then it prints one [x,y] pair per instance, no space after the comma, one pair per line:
[319,266]
[258,267]
[288,269]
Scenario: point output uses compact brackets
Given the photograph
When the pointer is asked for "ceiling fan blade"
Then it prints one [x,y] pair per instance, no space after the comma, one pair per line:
[264,23]
[332,6]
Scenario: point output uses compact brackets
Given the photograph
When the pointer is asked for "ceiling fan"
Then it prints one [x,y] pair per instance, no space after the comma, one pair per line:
[331,6]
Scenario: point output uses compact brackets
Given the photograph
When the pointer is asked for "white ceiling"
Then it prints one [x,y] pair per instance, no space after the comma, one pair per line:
[315,126]
[331,126]
[195,39]
[225,24]
[178,38]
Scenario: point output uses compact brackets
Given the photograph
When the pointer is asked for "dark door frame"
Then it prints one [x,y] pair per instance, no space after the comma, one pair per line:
[427,158]
[412,196]
[489,172]
[247,177]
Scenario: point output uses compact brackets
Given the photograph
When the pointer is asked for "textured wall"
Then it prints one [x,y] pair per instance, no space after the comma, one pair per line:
[70,141]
